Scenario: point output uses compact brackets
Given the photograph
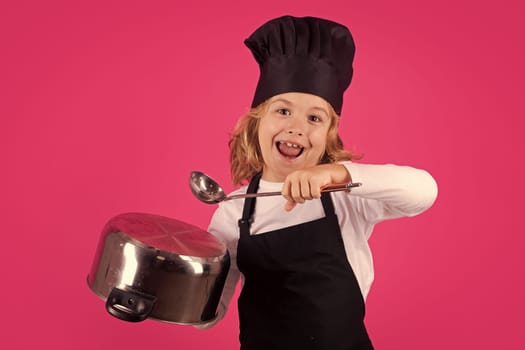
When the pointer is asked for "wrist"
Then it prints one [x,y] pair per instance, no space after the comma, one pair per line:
[339,173]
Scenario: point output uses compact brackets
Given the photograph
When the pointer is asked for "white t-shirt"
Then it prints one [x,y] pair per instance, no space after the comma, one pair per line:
[388,192]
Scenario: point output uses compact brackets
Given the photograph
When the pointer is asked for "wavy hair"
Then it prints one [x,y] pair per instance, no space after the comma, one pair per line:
[245,155]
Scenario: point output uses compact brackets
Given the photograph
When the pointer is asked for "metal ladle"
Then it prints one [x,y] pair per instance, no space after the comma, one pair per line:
[209,191]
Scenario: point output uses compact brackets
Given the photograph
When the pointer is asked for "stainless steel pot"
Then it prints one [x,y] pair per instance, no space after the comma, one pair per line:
[150,266]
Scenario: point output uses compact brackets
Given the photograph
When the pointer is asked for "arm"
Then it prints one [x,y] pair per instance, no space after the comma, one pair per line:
[392,190]
[396,190]
[223,228]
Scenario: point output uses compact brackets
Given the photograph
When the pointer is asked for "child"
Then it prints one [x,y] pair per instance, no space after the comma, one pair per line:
[304,260]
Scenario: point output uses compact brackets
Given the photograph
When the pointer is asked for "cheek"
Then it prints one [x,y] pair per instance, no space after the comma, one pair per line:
[319,140]
[265,136]
[267,130]
[319,146]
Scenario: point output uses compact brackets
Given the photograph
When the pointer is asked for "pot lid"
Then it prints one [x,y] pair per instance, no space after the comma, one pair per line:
[166,234]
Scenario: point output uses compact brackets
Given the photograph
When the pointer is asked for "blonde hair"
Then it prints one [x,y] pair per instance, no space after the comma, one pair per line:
[245,155]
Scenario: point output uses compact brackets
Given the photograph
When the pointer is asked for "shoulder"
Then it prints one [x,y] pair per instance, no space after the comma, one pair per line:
[223,223]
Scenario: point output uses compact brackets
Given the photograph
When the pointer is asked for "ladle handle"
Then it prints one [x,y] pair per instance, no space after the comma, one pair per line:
[329,188]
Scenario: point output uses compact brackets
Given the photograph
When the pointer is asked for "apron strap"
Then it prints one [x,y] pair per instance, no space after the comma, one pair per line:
[249,205]
[328,205]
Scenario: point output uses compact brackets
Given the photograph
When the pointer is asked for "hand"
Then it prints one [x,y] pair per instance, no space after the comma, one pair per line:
[306,184]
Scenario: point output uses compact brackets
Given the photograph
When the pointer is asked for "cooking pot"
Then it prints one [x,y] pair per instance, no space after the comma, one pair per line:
[151,266]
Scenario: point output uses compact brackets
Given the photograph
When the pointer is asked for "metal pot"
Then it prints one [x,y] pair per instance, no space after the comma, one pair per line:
[150,266]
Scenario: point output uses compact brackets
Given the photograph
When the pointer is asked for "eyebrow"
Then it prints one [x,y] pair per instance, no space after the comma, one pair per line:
[321,109]
[287,102]
[281,100]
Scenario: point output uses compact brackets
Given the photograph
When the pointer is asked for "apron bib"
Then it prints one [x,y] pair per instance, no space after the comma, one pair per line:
[299,291]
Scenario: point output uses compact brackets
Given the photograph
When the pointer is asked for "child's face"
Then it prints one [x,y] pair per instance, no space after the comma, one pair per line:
[293,133]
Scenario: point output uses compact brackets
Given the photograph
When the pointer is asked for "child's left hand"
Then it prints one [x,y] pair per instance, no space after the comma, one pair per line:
[306,184]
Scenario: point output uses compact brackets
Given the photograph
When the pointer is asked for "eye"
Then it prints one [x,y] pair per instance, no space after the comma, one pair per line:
[315,119]
[284,111]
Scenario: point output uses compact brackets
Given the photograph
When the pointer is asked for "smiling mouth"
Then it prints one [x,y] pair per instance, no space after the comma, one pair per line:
[289,149]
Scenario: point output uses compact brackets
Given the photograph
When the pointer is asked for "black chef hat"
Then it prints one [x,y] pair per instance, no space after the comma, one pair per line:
[307,54]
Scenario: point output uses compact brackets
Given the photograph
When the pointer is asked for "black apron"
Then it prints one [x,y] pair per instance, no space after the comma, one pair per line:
[300,291]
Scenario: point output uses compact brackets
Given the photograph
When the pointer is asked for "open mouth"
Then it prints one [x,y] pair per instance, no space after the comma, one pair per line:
[289,149]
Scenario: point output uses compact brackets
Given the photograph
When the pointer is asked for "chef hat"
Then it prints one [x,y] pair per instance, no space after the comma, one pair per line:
[306,54]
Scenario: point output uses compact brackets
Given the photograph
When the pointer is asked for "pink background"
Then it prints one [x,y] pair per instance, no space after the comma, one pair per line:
[107,106]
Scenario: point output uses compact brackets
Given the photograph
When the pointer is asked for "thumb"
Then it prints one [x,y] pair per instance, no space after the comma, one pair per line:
[290,205]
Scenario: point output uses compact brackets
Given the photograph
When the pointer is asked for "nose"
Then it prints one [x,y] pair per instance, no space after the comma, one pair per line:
[295,127]
[294,132]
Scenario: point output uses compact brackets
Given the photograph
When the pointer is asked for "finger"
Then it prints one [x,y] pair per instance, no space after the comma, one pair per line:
[316,191]
[306,189]
[286,191]
[295,192]
[316,187]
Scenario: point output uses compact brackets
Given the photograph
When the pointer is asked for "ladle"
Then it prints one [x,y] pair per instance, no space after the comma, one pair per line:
[209,191]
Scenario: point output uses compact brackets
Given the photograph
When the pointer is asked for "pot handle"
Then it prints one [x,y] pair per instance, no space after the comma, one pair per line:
[128,305]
